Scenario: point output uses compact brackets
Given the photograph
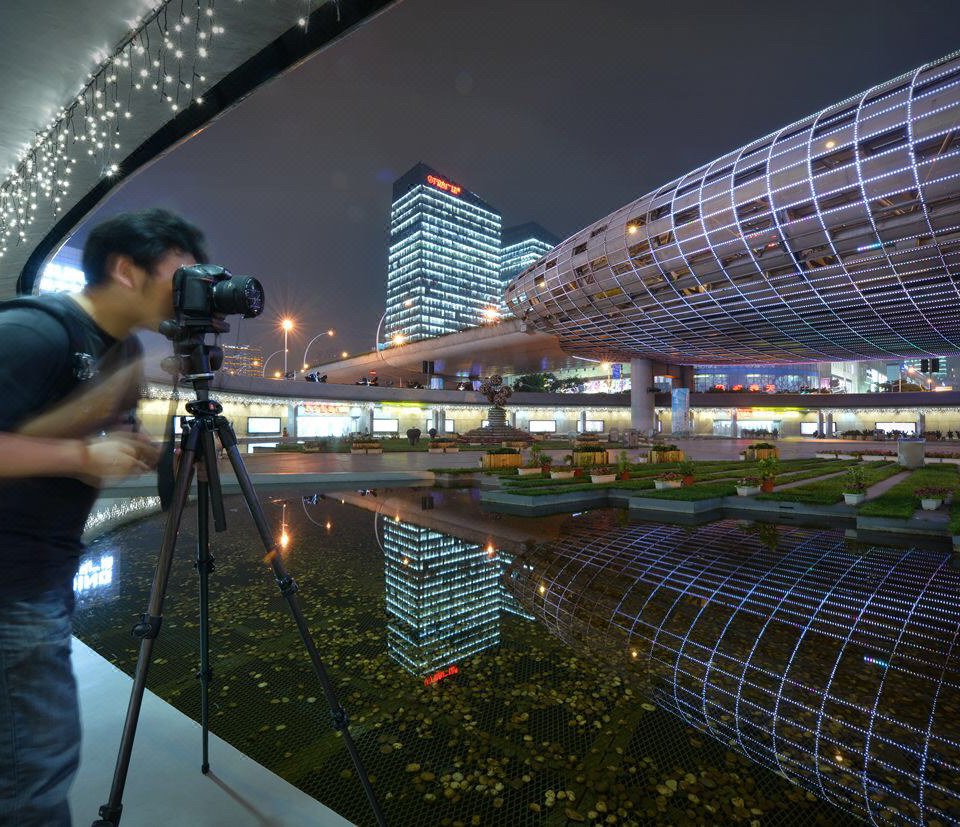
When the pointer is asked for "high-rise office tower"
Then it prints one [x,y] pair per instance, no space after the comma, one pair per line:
[520,247]
[443,269]
[443,597]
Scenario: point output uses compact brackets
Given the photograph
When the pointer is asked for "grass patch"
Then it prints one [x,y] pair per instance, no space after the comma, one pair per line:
[830,491]
[693,493]
[900,503]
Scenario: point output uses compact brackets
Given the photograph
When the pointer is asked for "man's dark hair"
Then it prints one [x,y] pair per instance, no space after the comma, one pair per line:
[146,236]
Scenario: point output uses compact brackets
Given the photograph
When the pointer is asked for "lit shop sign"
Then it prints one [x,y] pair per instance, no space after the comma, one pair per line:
[93,575]
[446,186]
[439,676]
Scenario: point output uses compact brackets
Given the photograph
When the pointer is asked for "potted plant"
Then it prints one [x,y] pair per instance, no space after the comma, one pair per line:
[602,474]
[748,486]
[564,473]
[854,486]
[586,454]
[623,466]
[687,471]
[534,466]
[767,469]
[931,496]
[759,450]
[669,479]
[666,453]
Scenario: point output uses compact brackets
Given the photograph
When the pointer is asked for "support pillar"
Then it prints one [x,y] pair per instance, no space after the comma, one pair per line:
[583,422]
[734,431]
[820,424]
[292,421]
[921,424]
[686,377]
[370,420]
[830,424]
[642,402]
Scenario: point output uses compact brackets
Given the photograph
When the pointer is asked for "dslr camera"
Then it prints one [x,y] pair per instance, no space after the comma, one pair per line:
[203,296]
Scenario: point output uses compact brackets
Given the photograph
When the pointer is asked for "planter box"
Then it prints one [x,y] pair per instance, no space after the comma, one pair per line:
[358,450]
[747,490]
[930,503]
[754,454]
[435,450]
[662,485]
[529,472]
[561,475]
[603,477]
[374,450]
[500,460]
[855,498]
[585,458]
[666,456]
[451,450]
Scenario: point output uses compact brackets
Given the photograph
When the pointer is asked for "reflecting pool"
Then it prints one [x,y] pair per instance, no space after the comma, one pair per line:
[567,669]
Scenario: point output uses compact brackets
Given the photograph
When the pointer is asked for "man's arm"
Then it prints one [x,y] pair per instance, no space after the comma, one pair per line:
[116,455]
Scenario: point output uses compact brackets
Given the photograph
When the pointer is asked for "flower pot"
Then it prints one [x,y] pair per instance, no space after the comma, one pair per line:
[603,478]
[747,490]
[662,485]
[561,475]
[766,486]
[930,503]
[689,479]
[623,475]
[854,499]
[529,472]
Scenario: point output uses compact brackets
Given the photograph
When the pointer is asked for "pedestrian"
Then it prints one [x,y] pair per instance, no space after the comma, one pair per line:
[69,377]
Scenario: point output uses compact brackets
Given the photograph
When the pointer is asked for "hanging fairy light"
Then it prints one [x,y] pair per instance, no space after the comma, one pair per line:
[159,58]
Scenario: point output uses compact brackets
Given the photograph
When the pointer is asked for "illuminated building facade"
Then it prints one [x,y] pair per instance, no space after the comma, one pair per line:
[834,238]
[829,662]
[243,360]
[443,269]
[520,247]
[443,597]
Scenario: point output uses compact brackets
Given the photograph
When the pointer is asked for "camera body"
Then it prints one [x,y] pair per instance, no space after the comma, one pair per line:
[203,296]
[207,293]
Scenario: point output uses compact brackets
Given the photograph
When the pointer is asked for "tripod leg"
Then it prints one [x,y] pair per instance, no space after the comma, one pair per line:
[204,567]
[288,588]
[149,627]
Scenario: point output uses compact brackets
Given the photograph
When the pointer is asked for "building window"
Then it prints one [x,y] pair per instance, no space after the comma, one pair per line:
[885,141]
[687,215]
[386,426]
[597,230]
[580,248]
[543,426]
[263,425]
[590,426]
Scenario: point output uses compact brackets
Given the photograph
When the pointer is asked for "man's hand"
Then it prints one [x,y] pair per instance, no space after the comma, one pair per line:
[119,454]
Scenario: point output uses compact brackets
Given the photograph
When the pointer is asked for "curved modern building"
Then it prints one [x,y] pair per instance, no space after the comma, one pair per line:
[834,238]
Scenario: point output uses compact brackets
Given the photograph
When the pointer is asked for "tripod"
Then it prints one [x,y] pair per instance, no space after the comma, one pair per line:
[198,455]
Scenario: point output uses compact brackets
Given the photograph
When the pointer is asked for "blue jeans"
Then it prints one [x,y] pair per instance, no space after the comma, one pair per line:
[39,713]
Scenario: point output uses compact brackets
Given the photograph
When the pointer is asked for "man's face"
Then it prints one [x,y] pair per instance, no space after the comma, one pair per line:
[156,293]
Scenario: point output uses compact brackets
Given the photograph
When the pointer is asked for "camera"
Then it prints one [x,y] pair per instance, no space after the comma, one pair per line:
[203,296]
[207,292]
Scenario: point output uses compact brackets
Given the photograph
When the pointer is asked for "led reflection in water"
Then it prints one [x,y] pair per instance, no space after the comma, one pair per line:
[837,670]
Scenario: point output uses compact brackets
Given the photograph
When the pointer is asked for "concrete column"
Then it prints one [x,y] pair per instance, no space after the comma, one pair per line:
[829,424]
[642,402]
[820,424]
[686,377]
[921,424]
[583,422]
[733,424]
[370,420]
[292,421]
[512,417]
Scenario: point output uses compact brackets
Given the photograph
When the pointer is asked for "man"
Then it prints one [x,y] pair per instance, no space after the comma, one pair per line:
[60,405]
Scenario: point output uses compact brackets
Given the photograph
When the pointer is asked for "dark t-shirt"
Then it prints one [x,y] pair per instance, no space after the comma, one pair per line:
[42,518]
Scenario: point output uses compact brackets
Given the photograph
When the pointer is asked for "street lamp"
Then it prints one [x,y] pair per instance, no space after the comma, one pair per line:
[376,340]
[306,351]
[287,325]
[268,359]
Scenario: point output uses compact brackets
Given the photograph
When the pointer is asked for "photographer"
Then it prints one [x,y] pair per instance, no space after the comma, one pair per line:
[69,370]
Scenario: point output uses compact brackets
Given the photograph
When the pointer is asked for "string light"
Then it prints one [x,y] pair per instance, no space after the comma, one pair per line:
[37,186]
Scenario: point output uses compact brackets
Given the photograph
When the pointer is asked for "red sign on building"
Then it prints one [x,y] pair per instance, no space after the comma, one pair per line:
[446,186]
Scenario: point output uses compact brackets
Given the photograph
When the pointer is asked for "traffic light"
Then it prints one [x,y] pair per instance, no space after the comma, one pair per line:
[935,365]
[924,366]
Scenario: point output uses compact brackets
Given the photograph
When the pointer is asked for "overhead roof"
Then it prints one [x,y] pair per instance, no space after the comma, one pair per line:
[69,66]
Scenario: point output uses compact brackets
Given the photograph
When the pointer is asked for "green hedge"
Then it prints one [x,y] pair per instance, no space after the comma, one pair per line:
[829,491]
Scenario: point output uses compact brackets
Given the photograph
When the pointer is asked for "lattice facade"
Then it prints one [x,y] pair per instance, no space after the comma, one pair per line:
[837,237]
[836,665]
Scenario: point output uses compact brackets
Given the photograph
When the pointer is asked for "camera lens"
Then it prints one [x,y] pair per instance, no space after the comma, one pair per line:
[240,294]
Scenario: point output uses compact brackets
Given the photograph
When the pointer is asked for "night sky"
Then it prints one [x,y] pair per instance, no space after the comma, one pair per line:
[551,110]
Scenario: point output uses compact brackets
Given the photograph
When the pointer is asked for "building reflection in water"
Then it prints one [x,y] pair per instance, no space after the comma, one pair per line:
[835,666]
[443,597]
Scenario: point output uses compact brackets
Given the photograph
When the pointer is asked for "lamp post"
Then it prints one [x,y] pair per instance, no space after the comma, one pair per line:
[376,340]
[268,359]
[287,325]
[306,351]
